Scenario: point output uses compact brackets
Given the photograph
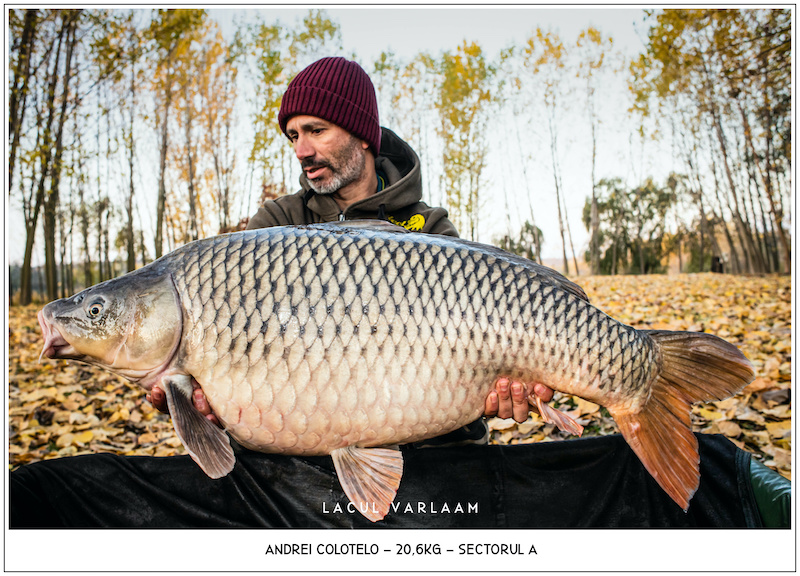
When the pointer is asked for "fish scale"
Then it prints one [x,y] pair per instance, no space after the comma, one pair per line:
[348,267]
[344,339]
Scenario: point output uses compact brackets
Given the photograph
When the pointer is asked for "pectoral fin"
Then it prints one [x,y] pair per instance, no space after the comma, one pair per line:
[370,477]
[209,446]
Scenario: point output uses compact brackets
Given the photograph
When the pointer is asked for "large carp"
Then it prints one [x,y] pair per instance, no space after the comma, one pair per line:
[349,340]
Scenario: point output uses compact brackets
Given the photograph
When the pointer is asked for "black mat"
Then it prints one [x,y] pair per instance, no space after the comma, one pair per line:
[591,482]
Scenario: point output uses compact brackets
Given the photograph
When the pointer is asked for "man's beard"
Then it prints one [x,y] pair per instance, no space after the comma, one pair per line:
[346,166]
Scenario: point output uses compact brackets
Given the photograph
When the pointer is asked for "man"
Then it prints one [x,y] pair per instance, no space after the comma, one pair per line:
[354,169]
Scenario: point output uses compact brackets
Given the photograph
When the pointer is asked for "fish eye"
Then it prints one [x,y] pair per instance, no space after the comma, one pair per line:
[95,309]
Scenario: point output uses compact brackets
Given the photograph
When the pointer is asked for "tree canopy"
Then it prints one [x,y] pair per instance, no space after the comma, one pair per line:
[132,131]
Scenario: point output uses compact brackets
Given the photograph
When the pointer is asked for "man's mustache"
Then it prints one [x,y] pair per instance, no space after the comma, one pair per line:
[310,163]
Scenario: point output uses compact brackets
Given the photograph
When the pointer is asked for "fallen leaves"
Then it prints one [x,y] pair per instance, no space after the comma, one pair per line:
[60,408]
[753,313]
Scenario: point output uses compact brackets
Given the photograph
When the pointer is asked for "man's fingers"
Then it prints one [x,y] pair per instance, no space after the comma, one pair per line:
[503,388]
[158,399]
[200,401]
[492,403]
[543,392]
[519,401]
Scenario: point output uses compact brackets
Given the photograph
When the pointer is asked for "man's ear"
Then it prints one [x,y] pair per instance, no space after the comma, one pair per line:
[364,144]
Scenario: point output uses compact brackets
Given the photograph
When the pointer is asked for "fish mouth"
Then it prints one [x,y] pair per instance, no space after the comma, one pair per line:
[55,346]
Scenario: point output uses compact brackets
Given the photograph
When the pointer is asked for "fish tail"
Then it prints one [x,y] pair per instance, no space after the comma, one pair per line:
[694,367]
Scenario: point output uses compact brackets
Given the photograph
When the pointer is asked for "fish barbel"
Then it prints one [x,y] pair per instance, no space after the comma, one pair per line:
[352,339]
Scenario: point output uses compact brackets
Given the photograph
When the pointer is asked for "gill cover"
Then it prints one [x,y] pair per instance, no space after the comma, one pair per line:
[130,325]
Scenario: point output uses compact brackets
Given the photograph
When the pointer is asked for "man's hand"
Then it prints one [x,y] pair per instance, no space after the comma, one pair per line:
[158,399]
[510,399]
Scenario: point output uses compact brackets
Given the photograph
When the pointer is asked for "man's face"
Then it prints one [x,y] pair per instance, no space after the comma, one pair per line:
[329,155]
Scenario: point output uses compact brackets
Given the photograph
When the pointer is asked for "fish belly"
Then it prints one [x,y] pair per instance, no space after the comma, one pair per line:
[306,340]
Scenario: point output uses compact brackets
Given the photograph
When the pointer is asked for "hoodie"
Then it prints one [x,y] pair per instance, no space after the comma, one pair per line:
[400,202]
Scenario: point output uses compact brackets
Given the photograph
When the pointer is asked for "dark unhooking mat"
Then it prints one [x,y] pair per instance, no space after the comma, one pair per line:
[576,483]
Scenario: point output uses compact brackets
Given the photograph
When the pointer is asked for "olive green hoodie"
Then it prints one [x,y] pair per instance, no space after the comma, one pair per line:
[399,202]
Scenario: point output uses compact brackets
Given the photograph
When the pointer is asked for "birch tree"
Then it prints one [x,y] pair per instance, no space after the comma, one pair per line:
[465,106]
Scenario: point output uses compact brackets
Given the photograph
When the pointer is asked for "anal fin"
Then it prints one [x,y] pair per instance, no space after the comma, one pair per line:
[207,444]
[370,478]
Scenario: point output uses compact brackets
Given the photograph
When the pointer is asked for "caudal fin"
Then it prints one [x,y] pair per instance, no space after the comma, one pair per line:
[695,367]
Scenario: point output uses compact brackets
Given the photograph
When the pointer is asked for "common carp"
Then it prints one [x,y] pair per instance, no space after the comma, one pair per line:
[352,339]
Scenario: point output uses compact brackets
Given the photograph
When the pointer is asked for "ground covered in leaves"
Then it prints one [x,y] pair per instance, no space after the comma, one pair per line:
[61,408]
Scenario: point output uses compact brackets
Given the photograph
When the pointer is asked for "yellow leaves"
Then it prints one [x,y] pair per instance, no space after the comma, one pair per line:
[122,414]
[753,313]
[584,407]
[779,429]
[60,408]
[79,439]
[148,438]
[728,428]
[709,414]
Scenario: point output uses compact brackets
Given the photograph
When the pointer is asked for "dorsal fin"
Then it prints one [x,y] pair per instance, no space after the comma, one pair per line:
[365,224]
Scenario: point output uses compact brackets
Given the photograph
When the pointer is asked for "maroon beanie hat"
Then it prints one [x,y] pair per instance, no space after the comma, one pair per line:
[336,90]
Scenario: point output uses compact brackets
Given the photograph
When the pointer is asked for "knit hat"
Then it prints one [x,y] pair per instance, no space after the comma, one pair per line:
[336,90]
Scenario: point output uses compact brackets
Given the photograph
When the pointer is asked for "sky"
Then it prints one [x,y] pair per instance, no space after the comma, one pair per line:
[412,29]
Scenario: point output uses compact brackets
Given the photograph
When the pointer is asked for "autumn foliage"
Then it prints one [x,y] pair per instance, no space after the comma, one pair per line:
[62,408]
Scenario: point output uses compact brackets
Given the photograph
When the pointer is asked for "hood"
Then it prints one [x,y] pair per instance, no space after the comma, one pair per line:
[401,165]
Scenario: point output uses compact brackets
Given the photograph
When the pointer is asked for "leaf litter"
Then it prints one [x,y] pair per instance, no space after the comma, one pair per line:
[62,408]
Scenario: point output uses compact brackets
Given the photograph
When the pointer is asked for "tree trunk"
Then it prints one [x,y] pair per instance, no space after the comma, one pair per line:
[558,192]
[528,193]
[100,208]
[745,236]
[130,141]
[84,218]
[703,230]
[735,263]
[595,217]
[162,184]
[776,209]
[142,247]
[19,91]
[26,287]
[51,200]
[188,117]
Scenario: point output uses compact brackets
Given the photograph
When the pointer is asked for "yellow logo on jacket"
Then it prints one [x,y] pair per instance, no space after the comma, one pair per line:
[415,223]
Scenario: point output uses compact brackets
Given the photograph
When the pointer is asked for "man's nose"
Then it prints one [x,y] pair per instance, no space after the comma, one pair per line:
[303,148]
